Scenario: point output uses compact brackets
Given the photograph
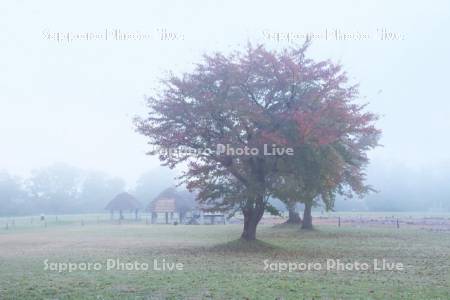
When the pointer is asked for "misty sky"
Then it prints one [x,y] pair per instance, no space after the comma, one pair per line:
[73,102]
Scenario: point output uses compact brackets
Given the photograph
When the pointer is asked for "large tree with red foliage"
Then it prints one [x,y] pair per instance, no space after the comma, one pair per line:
[253,98]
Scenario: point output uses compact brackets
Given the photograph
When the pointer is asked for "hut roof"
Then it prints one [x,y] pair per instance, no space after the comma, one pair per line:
[124,201]
[172,200]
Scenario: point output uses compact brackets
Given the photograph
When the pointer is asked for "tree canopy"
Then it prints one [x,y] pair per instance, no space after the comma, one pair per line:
[259,99]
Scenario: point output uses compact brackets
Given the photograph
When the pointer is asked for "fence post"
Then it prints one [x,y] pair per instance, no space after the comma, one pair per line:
[398,224]
[339,221]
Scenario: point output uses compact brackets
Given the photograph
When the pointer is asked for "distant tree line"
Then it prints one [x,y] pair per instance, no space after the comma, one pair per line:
[63,189]
[404,188]
[57,189]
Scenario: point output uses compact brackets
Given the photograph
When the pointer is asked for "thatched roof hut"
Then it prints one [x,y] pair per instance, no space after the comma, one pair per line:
[124,202]
[180,205]
[172,200]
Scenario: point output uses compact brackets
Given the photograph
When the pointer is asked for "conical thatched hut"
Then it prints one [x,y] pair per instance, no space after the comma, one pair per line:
[124,202]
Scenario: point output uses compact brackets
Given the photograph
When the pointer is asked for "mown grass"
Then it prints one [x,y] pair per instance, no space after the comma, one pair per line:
[218,266]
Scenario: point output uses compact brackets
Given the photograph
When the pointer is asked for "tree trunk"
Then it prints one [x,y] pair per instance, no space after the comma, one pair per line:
[294,217]
[253,213]
[307,218]
[249,232]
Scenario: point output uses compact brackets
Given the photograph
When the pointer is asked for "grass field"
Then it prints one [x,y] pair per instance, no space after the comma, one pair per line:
[216,265]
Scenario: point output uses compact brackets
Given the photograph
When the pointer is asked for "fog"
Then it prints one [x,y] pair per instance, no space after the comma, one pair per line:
[66,107]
